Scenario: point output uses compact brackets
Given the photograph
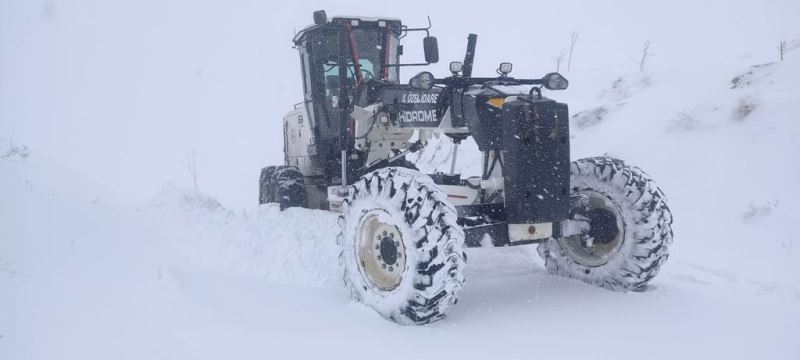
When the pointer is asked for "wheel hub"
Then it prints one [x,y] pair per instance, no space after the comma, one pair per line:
[605,236]
[388,250]
[603,225]
[381,252]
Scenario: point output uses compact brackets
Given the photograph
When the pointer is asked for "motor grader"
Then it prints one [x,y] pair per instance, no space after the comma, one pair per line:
[403,233]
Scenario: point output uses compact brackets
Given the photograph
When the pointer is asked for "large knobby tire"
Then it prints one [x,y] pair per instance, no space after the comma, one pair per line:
[284,185]
[265,190]
[631,228]
[404,163]
[401,248]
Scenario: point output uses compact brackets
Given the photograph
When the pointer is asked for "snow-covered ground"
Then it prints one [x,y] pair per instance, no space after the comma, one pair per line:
[180,276]
[90,271]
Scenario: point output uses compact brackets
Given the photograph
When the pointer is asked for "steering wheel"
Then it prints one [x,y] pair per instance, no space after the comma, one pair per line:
[367,74]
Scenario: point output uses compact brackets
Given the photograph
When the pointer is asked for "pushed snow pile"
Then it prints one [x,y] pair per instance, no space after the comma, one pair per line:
[294,246]
[437,156]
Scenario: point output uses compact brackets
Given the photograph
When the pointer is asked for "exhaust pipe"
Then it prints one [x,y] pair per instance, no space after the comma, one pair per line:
[469,57]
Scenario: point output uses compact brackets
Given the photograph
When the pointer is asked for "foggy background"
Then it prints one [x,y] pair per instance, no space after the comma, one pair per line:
[121,91]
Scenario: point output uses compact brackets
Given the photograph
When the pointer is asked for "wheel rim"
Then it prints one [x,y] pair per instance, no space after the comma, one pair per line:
[607,232]
[381,252]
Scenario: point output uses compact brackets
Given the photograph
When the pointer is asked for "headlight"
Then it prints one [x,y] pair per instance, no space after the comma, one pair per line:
[505,68]
[456,67]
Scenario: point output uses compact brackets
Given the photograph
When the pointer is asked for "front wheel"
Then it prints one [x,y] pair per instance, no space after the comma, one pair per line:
[631,228]
[401,248]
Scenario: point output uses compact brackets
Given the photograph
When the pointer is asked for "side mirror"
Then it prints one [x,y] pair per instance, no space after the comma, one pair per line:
[431,46]
[422,81]
[320,18]
[554,81]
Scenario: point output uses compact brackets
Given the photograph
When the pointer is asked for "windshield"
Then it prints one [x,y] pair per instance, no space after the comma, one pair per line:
[375,49]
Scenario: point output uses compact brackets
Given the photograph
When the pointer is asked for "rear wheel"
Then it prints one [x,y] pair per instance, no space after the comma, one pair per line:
[401,249]
[631,228]
[284,185]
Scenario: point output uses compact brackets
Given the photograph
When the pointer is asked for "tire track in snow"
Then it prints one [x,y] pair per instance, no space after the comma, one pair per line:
[705,276]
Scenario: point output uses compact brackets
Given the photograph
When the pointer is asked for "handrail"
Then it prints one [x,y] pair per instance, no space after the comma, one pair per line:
[301,103]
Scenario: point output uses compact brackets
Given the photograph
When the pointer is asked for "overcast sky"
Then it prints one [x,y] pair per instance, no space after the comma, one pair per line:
[121,91]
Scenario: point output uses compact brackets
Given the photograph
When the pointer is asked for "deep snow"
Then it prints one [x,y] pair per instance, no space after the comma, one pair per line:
[91,271]
[180,276]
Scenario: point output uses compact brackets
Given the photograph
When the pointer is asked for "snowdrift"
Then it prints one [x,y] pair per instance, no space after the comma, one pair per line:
[83,274]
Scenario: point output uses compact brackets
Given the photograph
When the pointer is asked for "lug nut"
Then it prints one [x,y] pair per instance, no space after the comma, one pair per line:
[383,266]
[390,268]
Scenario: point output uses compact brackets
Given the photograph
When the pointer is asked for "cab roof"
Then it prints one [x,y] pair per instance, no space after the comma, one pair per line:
[342,19]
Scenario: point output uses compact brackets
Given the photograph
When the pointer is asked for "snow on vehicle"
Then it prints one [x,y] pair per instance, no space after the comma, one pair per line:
[403,233]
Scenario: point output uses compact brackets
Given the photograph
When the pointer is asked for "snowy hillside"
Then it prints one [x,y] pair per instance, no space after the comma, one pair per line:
[180,276]
[719,143]
[105,253]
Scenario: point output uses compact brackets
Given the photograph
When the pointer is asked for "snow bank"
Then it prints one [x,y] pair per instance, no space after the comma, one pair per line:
[296,246]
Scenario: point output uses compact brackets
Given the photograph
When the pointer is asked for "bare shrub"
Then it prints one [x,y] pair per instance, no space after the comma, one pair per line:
[191,166]
[16,152]
[645,55]
[744,107]
[684,121]
[785,46]
[590,117]
[573,41]
[559,59]
[757,211]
